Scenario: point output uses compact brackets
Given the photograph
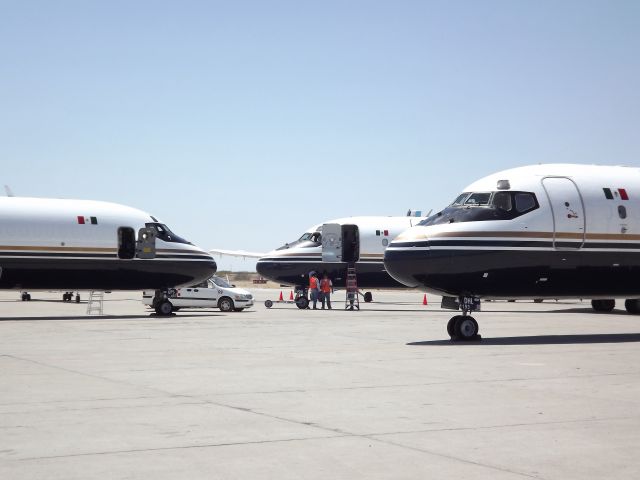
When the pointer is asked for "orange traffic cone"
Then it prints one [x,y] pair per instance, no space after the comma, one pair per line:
[280,299]
[291,296]
[424,300]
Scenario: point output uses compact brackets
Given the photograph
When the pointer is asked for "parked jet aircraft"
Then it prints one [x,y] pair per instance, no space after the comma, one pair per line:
[65,245]
[329,248]
[543,231]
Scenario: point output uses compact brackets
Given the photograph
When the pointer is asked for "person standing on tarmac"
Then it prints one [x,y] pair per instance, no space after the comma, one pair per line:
[314,286]
[326,289]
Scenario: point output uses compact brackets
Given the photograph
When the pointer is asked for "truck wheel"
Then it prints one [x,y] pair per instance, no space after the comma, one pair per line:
[165,308]
[225,304]
[268,303]
[302,303]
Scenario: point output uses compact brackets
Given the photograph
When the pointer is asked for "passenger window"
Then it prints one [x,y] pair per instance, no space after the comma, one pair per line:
[502,200]
[622,211]
[525,202]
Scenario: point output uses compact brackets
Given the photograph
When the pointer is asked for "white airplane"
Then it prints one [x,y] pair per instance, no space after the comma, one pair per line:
[330,247]
[53,244]
[542,231]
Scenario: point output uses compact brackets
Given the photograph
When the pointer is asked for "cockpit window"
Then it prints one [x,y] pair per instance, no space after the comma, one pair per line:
[478,199]
[525,202]
[483,206]
[166,235]
[502,200]
[461,198]
[306,240]
[315,237]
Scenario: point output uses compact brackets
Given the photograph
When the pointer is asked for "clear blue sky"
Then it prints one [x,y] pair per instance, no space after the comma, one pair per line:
[242,123]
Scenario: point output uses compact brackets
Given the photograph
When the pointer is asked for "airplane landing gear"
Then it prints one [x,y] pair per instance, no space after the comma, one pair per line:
[301,297]
[464,327]
[603,305]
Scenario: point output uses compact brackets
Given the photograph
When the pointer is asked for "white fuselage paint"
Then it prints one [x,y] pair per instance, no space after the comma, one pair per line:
[44,245]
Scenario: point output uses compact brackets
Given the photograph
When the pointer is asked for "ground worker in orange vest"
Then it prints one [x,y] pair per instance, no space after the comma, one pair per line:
[326,289]
[314,288]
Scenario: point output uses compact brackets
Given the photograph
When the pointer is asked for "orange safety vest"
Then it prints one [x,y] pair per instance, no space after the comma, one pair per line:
[313,283]
[325,285]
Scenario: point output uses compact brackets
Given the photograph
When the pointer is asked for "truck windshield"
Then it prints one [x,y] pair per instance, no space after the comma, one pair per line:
[220,282]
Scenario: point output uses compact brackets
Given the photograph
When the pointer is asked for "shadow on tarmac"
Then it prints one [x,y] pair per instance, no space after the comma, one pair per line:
[110,317]
[541,340]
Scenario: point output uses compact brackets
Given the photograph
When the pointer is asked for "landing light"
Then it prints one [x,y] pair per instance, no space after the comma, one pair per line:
[503,185]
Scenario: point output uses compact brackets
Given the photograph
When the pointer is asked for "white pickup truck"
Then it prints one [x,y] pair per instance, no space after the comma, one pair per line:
[214,293]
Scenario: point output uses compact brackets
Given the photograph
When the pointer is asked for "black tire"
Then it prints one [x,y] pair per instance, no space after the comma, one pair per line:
[24,297]
[28,297]
[632,305]
[302,303]
[466,328]
[538,300]
[225,304]
[368,297]
[268,303]
[77,298]
[238,309]
[603,305]
[165,308]
[451,326]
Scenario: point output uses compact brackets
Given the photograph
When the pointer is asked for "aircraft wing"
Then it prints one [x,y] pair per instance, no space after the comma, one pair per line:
[237,253]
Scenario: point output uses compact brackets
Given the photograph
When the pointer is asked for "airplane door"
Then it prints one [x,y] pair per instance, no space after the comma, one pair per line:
[331,242]
[568,212]
[146,244]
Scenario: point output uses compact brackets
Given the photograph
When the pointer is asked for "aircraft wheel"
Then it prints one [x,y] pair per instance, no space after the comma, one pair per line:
[451,326]
[225,304]
[632,305]
[164,308]
[302,303]
[603,305]
[268,303]
[466,328]
[368,297]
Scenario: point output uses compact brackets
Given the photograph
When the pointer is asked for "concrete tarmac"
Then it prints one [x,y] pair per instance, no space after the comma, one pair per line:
[551,392]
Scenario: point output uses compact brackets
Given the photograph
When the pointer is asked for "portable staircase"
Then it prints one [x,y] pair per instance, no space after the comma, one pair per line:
[352,293]
[95,305]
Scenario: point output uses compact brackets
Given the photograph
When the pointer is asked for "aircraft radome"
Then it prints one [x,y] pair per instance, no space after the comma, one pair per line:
[543,231]
[56,244]
[330,247]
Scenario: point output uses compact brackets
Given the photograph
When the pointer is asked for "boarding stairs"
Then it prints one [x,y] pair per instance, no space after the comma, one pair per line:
[95,305]
[352,300]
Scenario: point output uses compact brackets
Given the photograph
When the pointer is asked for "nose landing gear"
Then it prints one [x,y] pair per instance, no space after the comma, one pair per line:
[464,327]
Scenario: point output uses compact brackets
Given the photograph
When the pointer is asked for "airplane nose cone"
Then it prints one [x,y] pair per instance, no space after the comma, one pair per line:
[406,257]
[266,269]
[207,267]
[401,265]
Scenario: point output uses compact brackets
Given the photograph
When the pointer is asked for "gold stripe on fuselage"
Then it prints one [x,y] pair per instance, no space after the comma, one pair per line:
[578,236]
